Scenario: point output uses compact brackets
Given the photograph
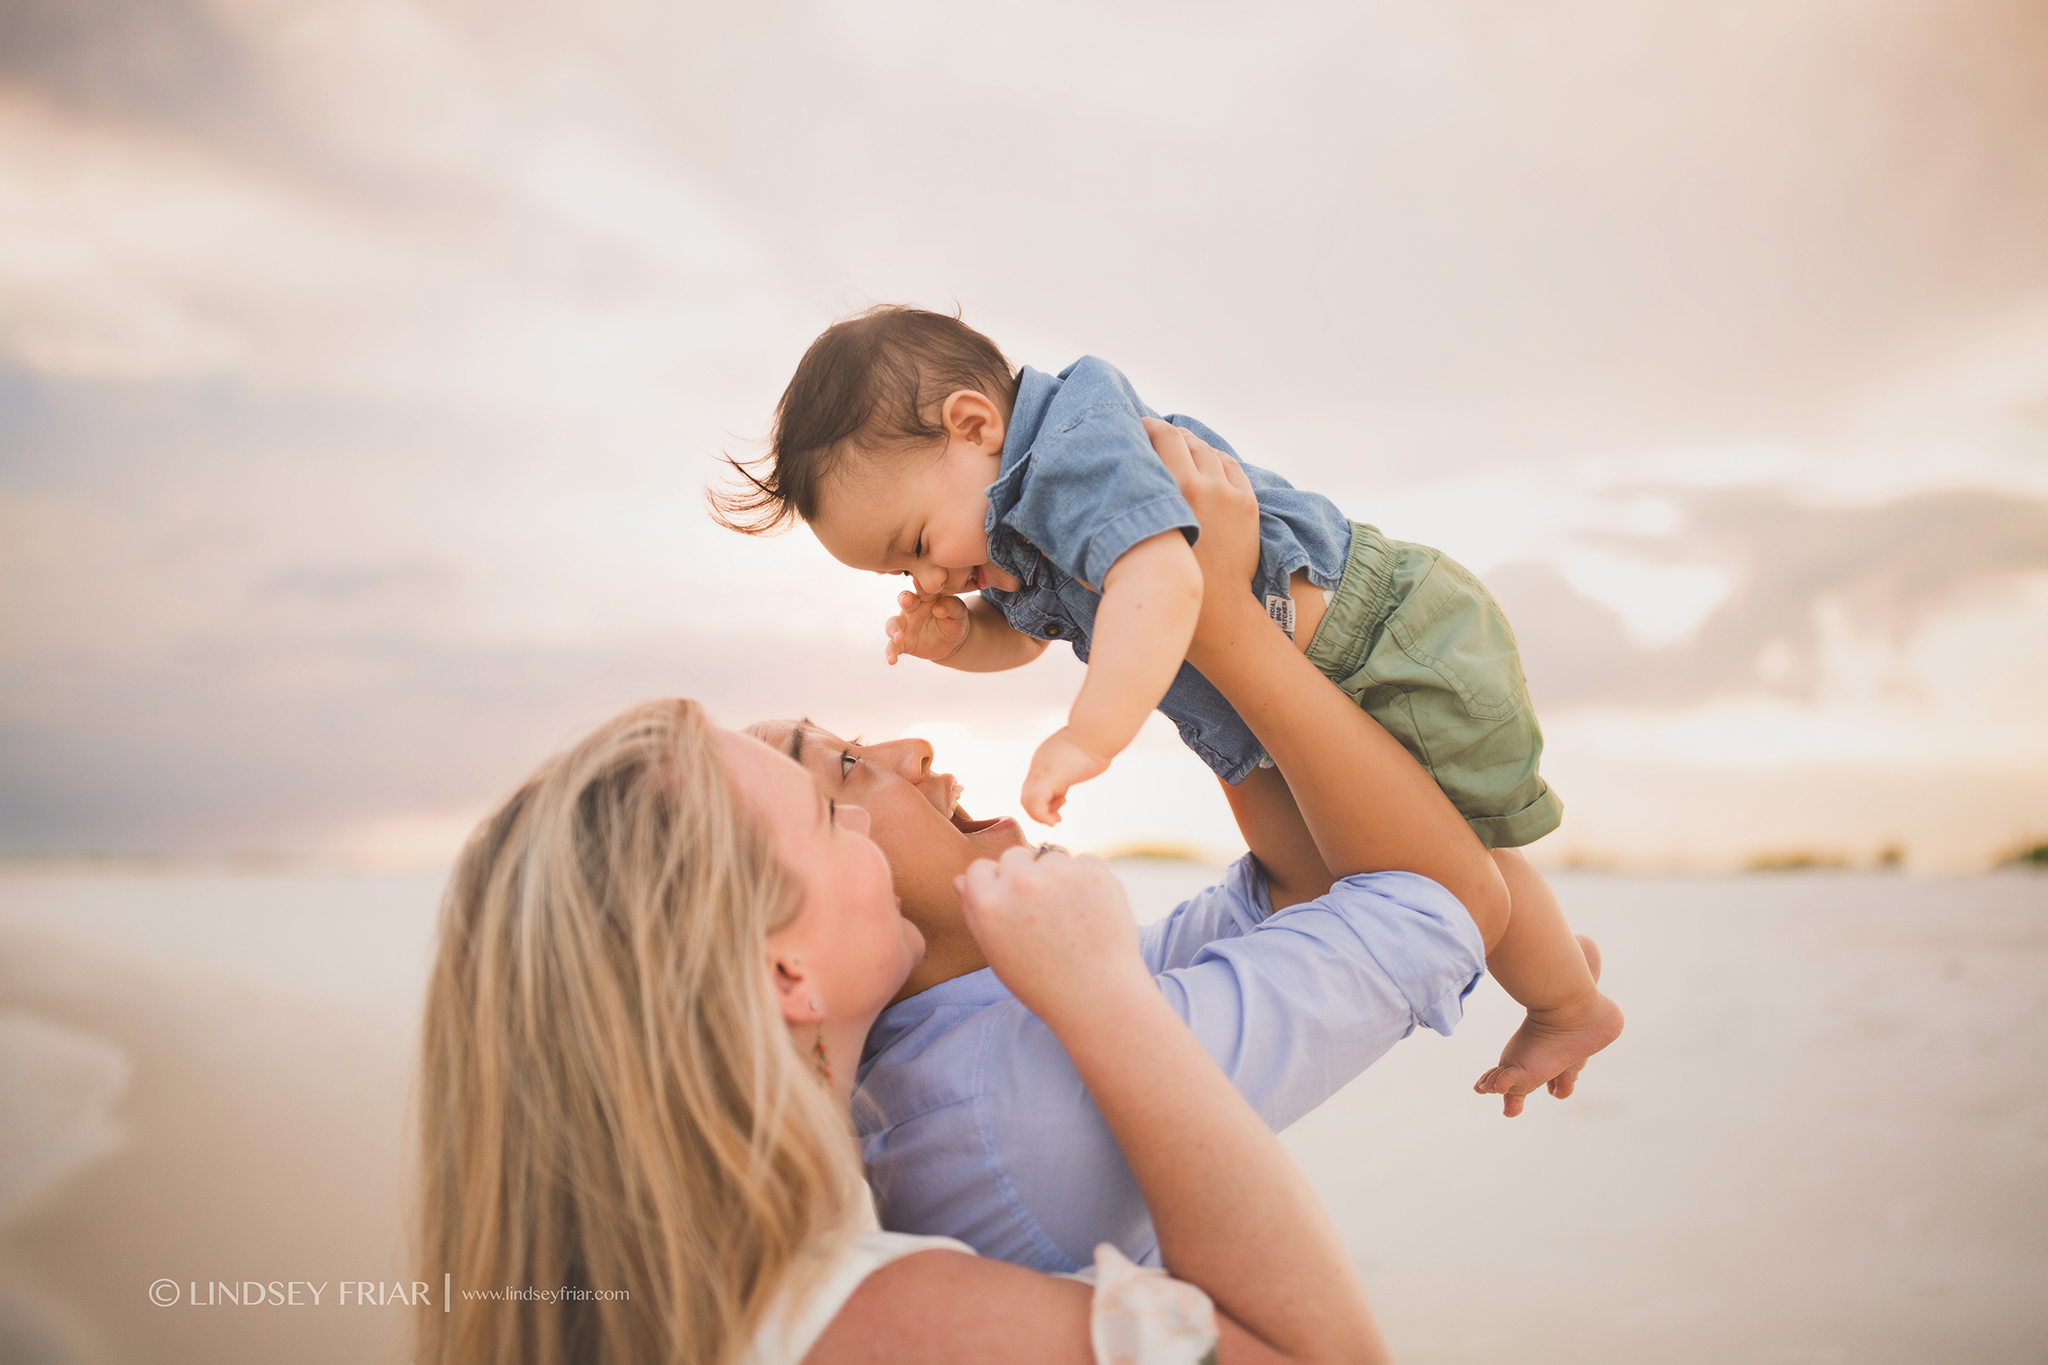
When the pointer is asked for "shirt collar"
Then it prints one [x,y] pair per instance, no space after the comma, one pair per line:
[973,990]
[1035,390]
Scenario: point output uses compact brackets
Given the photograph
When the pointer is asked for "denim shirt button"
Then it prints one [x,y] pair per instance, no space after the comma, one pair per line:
[1052,629]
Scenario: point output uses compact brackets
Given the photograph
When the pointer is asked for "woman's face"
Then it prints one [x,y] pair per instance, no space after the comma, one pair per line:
[915,816]
[851,933]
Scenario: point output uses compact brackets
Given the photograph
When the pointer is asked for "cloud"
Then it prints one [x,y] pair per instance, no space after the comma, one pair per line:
[360,362]
[151,61]
[275,741]
[1886,570]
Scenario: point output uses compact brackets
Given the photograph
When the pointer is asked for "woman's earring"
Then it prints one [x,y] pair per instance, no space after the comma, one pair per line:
[819,1059]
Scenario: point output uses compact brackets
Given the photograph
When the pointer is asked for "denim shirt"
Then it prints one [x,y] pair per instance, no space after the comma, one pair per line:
[974,1123]
[1080,484]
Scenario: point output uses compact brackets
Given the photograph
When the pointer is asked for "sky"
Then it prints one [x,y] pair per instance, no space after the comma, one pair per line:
[362,366]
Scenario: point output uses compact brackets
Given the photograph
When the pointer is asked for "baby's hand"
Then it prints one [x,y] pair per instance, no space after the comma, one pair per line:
[1058,765]
[927,628]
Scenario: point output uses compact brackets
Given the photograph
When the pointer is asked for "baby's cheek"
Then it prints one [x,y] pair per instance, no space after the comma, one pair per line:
[962,549]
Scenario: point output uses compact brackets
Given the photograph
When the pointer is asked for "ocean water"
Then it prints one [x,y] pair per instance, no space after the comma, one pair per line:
[353,940]
[1824,1136]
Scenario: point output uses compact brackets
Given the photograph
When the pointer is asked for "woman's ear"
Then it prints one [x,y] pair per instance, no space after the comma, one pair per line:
[971,417]
[793,983]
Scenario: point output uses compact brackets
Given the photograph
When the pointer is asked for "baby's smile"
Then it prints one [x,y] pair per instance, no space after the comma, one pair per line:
[979,577]
[961,581]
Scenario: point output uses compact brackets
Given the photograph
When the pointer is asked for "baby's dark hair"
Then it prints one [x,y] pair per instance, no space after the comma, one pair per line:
[875,381]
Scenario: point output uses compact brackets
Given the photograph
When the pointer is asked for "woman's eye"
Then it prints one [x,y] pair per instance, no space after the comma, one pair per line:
[846,762]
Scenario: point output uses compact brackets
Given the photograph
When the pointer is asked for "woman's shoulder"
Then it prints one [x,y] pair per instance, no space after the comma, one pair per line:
[794,1324]
[938,1309]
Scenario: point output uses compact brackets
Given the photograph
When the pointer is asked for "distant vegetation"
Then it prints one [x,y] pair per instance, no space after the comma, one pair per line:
[1889,858]
[1159,853]
[2027,855]
[1798,860]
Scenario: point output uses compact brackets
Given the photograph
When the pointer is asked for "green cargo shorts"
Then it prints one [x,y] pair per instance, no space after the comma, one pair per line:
[1413,638]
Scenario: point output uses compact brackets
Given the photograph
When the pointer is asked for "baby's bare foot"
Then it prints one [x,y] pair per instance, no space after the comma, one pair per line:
[1552,1045]
[1564,1082]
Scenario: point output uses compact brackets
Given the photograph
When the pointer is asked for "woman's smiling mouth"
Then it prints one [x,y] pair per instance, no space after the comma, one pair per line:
[967,824]
[943,791]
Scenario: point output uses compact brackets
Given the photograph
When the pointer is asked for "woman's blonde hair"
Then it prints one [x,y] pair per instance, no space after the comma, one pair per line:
[609,1099]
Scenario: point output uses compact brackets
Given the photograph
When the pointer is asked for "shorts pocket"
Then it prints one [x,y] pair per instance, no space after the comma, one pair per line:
[1449,625]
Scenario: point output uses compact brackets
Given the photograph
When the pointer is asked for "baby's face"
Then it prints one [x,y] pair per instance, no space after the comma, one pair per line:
[922,513]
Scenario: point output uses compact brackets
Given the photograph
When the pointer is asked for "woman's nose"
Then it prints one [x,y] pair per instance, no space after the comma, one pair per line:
[910,757]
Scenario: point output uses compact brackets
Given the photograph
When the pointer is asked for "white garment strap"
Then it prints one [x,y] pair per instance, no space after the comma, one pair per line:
[1138,1316]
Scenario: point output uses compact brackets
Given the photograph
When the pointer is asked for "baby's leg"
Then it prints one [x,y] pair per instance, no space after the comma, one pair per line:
[1543,966]
[1564,1082]
[1278,837]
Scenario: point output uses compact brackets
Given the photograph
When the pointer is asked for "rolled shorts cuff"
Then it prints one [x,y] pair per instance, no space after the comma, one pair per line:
[1524,826]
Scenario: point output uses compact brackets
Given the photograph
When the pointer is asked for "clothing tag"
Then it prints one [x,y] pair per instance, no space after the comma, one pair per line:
[1281,609]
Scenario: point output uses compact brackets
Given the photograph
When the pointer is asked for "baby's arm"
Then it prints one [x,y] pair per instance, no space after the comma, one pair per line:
[970,636]
[1150,599]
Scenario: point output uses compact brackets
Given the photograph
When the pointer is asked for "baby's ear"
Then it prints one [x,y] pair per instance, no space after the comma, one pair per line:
[971,416]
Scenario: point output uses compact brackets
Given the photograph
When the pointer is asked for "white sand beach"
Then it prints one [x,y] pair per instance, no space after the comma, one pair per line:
[1824,1137]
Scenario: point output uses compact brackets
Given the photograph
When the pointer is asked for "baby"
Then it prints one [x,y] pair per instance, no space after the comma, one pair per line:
[909,446]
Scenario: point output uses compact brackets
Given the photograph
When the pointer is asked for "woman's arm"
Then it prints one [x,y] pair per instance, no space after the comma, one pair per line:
[1367,804]
[1234,1215]
[1232,1212]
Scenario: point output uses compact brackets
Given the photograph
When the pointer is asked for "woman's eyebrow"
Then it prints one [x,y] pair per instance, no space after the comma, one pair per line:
[796,740]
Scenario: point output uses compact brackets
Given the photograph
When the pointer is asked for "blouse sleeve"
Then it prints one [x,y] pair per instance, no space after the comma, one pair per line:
[1143,1316]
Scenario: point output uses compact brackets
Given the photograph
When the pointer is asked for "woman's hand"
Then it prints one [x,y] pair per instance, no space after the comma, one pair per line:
[1222,499]
[1056,928]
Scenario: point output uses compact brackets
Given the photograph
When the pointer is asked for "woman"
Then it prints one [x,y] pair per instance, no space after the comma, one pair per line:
[657,965]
